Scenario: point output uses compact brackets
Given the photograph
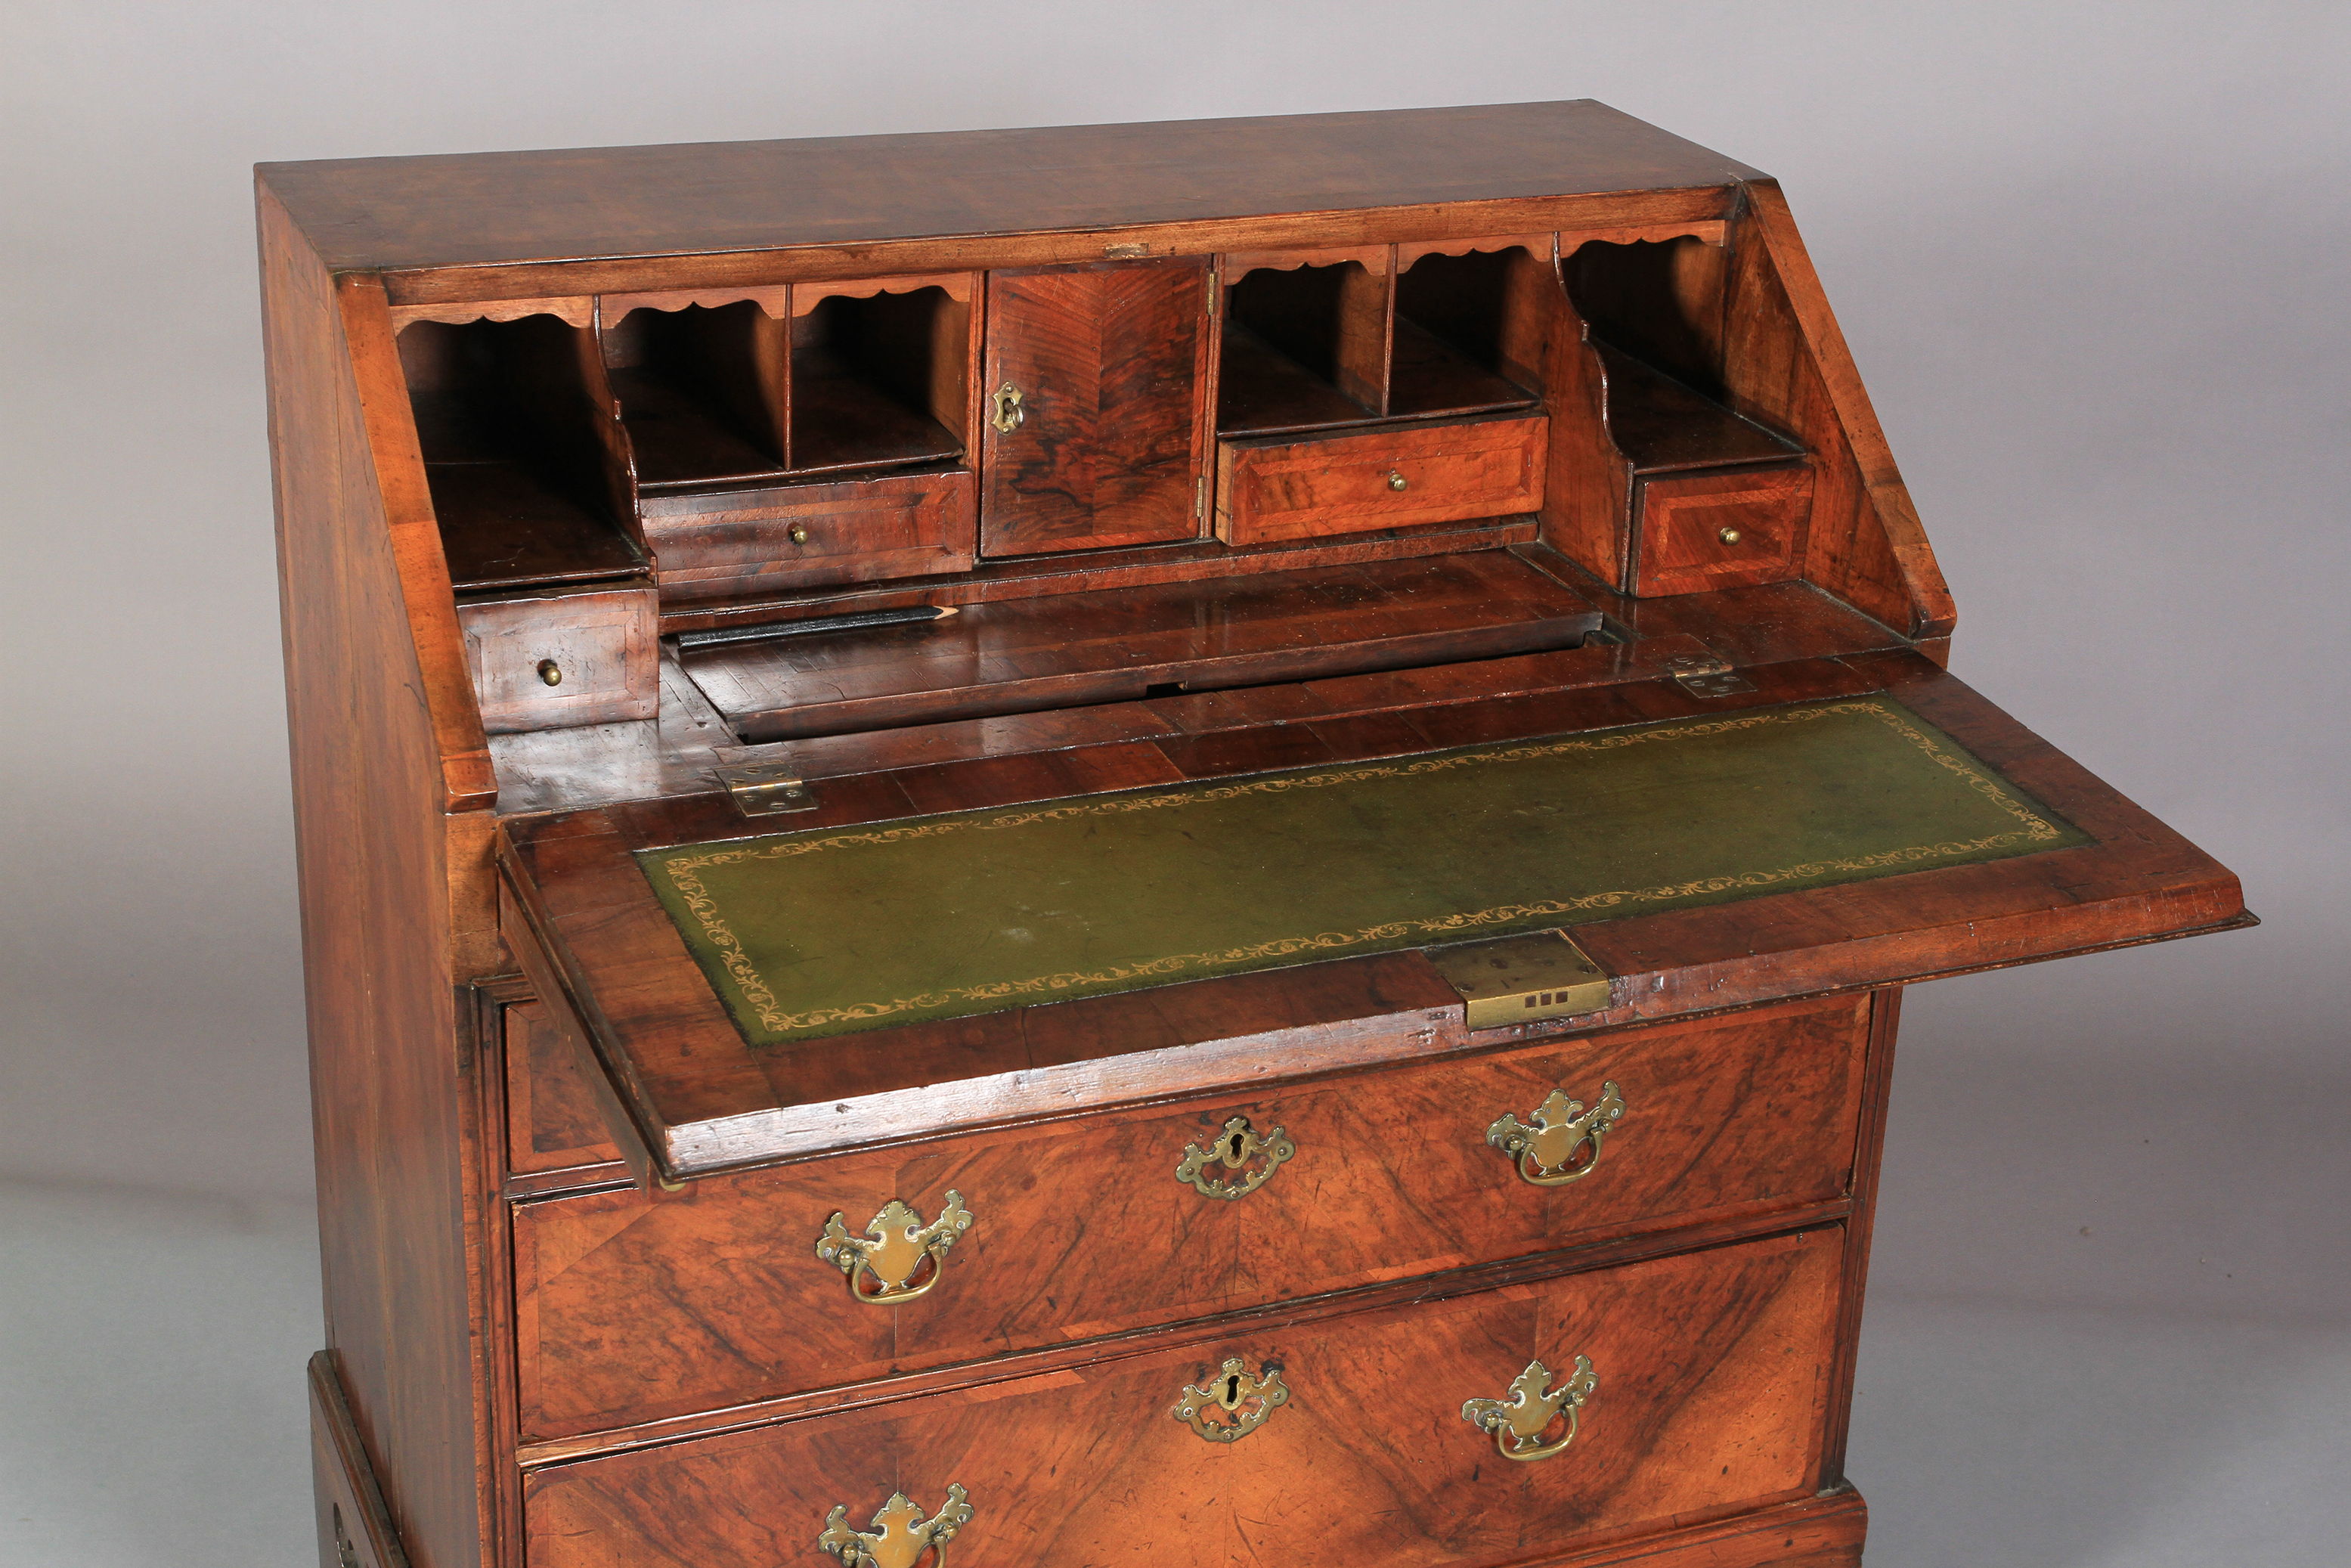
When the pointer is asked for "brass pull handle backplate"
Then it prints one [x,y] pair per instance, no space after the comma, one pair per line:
[1009,414]
[1233,1149]
[900,1534]
[1545,1151]
[1242,1399]
[893,1247]
[1518,1421]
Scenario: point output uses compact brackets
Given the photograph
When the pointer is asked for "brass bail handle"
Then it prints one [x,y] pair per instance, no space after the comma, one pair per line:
[1520,1421]
[900,1534]
[1008,415]
[1544,1147]
[893,1248]
[1233,1149]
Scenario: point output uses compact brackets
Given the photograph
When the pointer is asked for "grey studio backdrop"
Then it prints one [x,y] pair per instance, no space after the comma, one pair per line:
[2090,259]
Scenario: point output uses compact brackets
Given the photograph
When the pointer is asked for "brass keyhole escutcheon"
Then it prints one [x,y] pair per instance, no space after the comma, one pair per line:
[1544,1147]
[550,672]
[798,534]
[1243,1398]
[900,1534]
[1729,536]
[1008,415]
[1233,1149]
[1520,1421]
[893,1251]
[1398,481]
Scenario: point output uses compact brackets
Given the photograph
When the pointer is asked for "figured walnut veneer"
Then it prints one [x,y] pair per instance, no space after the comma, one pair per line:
[1242,452]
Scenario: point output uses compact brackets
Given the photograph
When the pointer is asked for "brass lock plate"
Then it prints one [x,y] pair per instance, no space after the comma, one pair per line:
[1522,979]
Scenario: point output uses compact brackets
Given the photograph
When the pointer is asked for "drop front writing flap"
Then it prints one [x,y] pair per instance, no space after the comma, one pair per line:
[880,972]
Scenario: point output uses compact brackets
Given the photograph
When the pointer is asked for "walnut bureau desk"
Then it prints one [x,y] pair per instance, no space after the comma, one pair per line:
[1140,844]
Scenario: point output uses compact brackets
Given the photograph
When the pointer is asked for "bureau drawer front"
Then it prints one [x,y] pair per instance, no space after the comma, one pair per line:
[726,547]
[554,659]
[1710,1371]
[1278,489]
[634,1306]
[1704,531]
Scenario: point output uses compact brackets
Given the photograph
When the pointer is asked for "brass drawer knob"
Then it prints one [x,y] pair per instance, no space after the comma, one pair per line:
[1234,1148]
[1727,535]
[798,533]
[900,1534]
[1545,1151]
[893,1248]
[1518,1421]
[1008,415]
[1239,1399]
[550,672]
[1398,481]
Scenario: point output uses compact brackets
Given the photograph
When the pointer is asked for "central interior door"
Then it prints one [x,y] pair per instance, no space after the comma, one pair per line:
[1097,407]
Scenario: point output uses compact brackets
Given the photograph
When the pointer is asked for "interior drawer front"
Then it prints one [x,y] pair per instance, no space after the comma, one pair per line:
[1704,531]
[597,645]
[634,1306]
[1285,488]
[1708,1370]
[857,530]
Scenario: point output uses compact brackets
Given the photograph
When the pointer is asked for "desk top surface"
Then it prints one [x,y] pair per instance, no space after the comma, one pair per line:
[488,208]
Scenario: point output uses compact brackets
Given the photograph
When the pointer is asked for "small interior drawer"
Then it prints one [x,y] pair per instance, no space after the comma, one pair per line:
[1280,488]
[551,658]
[1701,1376]
[745,543]
[1704,532]
[634,1306]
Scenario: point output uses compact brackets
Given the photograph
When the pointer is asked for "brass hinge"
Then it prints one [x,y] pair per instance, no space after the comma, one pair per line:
[767,788]
[1199,497]
[1707,676]
[1212,292]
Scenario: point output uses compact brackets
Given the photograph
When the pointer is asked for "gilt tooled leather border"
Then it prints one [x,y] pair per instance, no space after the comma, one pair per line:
[682,868]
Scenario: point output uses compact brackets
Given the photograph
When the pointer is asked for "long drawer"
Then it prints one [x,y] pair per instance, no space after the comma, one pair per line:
[634,1306]
[1701,1385]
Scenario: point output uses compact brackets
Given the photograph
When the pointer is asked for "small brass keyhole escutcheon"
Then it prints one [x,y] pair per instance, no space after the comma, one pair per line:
[1234,1148]
[892,1249]
[1398,481]
[1544,1147]
[900,1534]
[1518,1421]
[1009,415]
[550,672]
[1241,1398]
[798,533]
[1729,536]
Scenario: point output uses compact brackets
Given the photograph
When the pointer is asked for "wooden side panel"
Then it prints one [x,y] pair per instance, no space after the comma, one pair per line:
[1709,1368]
[635,1307]
[369,793]
[1587,484]
[1786,364]
[1112,367]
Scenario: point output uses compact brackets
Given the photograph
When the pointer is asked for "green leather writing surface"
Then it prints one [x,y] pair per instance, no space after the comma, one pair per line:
[833,929]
